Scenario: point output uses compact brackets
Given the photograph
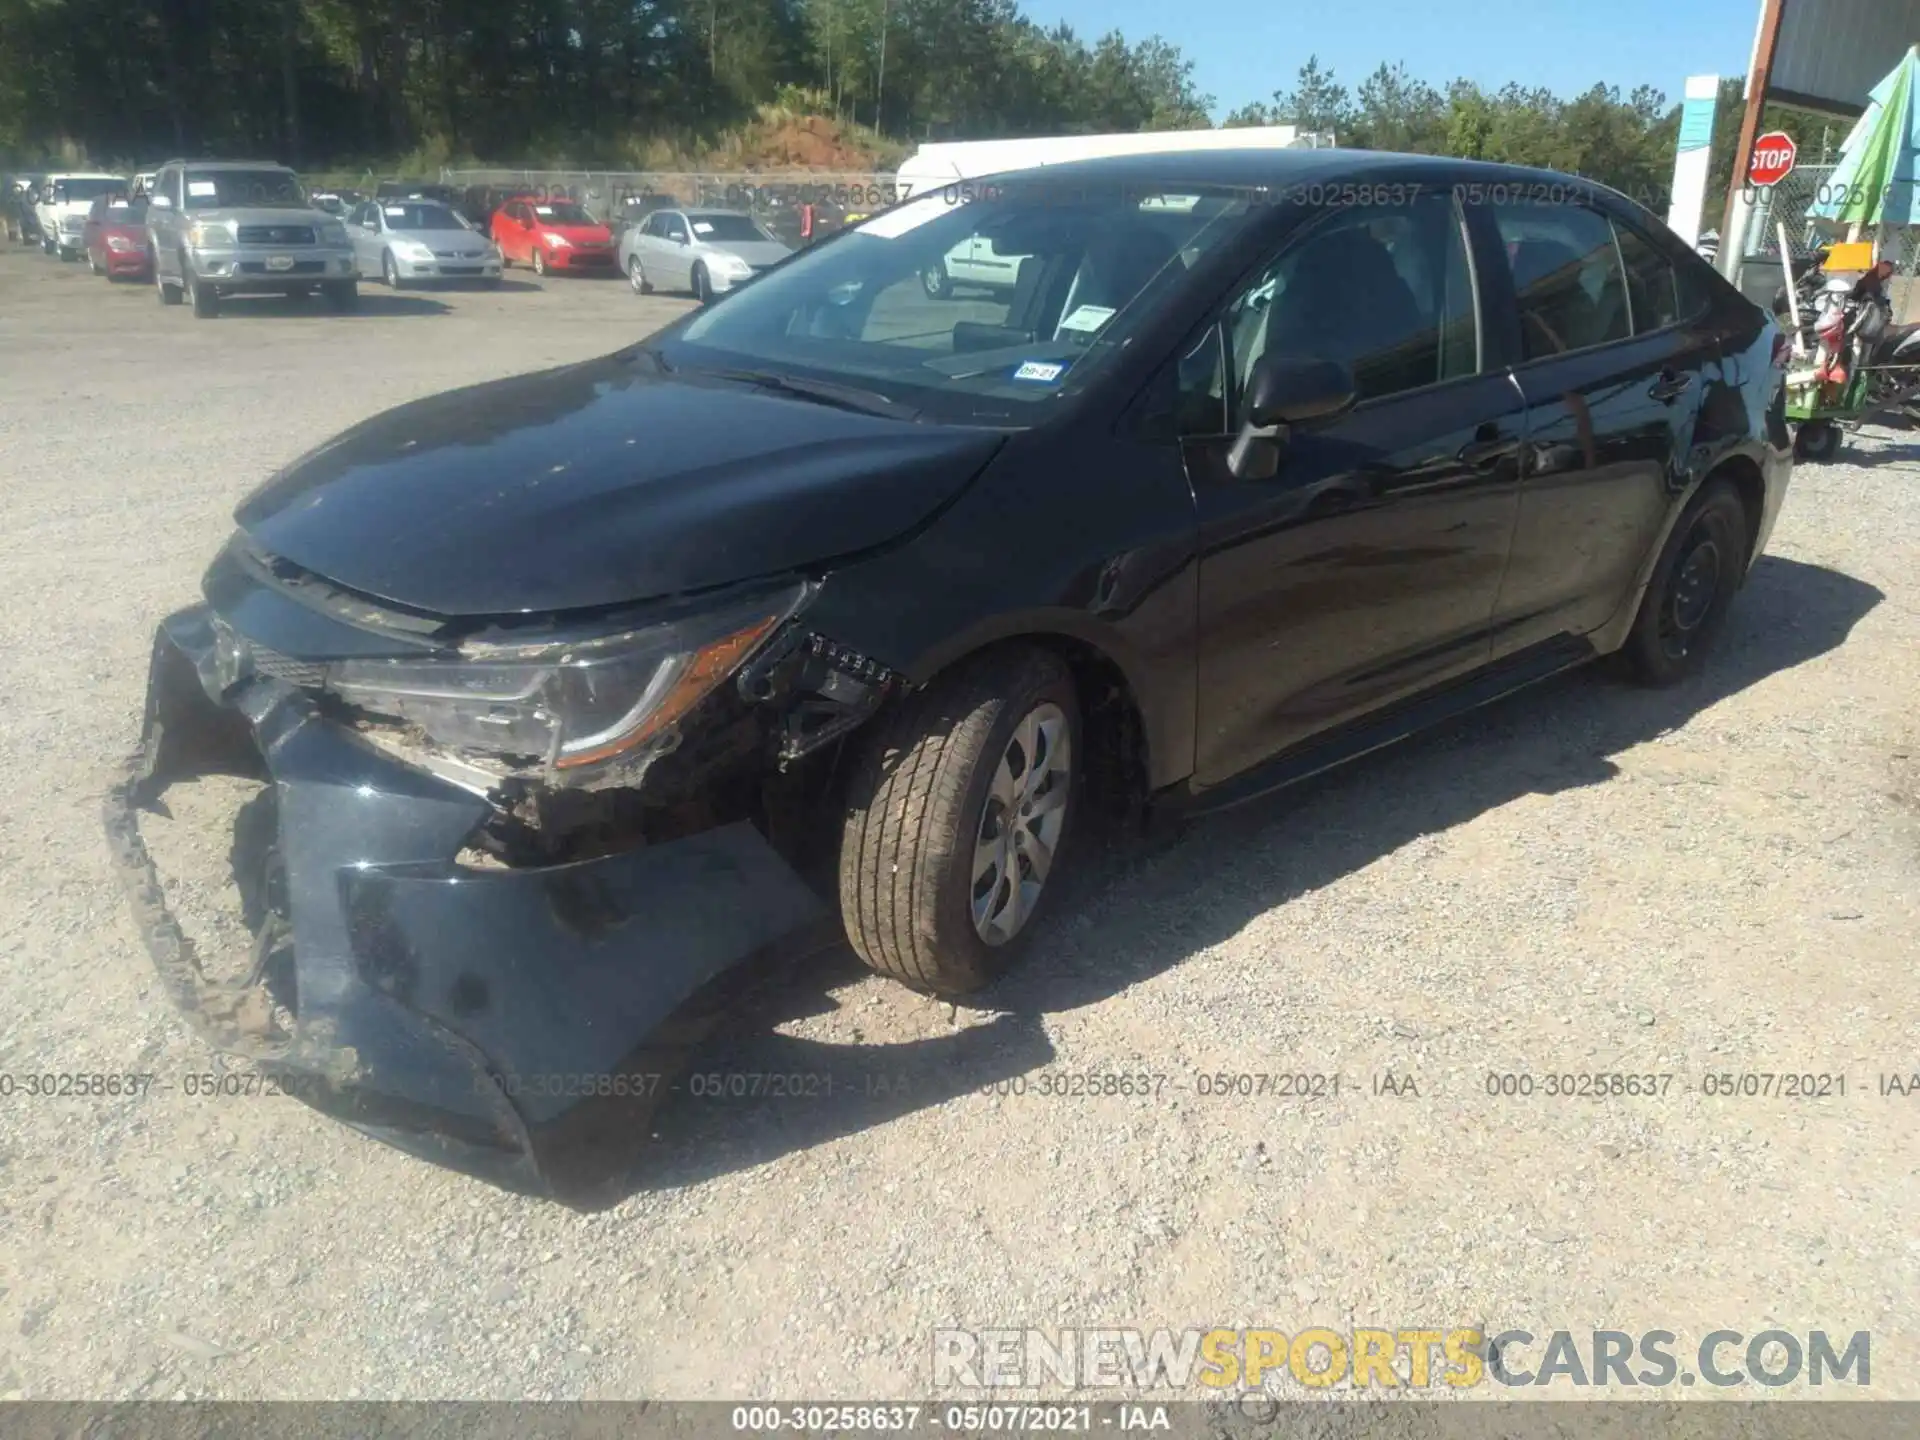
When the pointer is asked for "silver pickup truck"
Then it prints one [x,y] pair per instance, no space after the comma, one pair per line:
[234,227]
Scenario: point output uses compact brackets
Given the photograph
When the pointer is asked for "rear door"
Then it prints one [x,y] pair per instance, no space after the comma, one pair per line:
[1365,569]
[1613,374]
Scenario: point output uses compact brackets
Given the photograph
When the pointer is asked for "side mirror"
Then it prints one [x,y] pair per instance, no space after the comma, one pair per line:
[1283,391]
[1289,390]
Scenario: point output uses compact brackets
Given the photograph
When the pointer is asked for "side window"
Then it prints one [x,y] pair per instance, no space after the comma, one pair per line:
[676,228]
[1697,283]
[1567,277]
[1388,289]
[1652,286]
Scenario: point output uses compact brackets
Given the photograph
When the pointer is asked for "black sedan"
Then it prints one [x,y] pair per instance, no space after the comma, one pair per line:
[842,609]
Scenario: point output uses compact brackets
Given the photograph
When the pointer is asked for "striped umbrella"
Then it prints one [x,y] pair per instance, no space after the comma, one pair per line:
[1874,181]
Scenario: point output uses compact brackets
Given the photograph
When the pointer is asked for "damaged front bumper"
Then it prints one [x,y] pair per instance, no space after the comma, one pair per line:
[520,1024]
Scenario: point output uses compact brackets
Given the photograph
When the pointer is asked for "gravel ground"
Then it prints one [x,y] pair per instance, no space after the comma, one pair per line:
[1720,877]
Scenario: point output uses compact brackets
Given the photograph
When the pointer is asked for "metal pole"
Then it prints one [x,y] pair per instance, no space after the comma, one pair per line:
[880,87]
[1758,74]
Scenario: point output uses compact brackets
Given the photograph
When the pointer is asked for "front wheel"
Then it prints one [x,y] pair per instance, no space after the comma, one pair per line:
[204,298]
[637,276]
[1692,586]
[93,265]
[169,294]
[956,821]
[1816,441]
[390,271]
[702,286]
[936,281]
[540,263]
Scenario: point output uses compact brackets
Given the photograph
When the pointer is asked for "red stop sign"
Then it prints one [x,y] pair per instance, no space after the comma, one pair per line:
[1773,157]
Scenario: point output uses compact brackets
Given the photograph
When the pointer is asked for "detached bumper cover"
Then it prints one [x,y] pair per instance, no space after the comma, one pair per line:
[503,1022]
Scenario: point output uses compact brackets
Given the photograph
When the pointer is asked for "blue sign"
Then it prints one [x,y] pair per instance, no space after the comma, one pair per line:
[1696,124]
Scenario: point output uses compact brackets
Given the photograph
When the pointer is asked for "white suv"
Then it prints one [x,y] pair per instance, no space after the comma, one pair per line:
[63,206]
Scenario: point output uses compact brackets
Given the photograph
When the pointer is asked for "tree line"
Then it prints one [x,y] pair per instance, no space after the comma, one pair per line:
[652,83]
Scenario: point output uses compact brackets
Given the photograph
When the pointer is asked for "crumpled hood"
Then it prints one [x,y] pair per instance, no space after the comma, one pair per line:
[598,484]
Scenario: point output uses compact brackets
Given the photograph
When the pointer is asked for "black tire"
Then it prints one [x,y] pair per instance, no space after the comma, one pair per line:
[93,265]
[169,294]
[342,295]
[936,281]
[1692,586]
[915,811]
[539,262]
[1816,441]
[702,286]
[47,247]
[637,276]
[204,298]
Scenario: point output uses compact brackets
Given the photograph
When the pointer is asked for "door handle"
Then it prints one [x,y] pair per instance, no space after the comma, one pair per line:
[1489,451]
[1670,387]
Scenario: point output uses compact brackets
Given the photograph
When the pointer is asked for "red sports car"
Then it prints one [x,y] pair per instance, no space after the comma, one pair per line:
[552,235]
[116,238]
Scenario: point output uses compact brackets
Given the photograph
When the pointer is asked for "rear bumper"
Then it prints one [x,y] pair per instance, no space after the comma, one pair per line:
[519,1025]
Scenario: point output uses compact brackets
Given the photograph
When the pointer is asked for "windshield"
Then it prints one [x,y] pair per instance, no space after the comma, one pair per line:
[720,228]
[421,217]
[970,310]
[88,189]
[224,189]
[562,212]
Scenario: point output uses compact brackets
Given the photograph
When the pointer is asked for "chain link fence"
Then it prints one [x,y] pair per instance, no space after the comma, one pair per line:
[780,200]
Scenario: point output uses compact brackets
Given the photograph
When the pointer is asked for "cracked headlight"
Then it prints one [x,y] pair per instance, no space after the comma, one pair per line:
[570,703]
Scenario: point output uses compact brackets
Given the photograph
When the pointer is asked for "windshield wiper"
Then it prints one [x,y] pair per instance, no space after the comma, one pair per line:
[821,392]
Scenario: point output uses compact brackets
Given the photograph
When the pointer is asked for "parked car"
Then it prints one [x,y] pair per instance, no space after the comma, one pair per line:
[115,238]
[63,206]
[410,241]
[832,611]
[550,235]
[17,201]
[478,204]
[705,252]
[221,228]
[448,195]
[331,202]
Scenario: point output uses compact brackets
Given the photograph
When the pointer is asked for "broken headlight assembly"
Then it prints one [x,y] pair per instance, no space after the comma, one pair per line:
[569,703]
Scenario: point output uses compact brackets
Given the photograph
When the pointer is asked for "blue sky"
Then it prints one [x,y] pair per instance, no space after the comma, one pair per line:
[1245,49]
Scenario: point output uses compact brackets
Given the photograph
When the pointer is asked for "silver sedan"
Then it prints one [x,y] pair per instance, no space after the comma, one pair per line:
[408,241]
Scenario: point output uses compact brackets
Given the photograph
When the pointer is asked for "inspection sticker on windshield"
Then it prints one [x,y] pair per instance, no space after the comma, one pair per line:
[398,212]
[543,209]
[1087,318]
[703,227]
[1042,370]
[202,187]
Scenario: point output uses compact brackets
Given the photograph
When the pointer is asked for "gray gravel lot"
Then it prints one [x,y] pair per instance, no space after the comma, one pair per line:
[1717,878]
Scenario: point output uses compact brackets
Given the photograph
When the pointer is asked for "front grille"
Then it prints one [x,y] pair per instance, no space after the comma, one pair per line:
[275,235]
[306,674]
[459,269]
[299,267]
[592,257]
[459,255]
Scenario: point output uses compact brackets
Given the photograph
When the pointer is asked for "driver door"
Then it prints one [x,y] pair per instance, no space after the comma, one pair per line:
[1366,568]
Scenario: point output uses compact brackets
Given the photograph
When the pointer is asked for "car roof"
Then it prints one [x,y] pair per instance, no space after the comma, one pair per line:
[1266,169]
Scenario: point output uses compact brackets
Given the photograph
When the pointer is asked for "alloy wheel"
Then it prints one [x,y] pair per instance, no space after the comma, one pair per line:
[1021,823]
[540,262]
[636,276]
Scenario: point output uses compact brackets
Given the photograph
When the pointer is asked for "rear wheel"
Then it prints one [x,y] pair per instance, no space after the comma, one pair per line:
[956,821]
[1692,586]
[1816,441]
[936,281]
